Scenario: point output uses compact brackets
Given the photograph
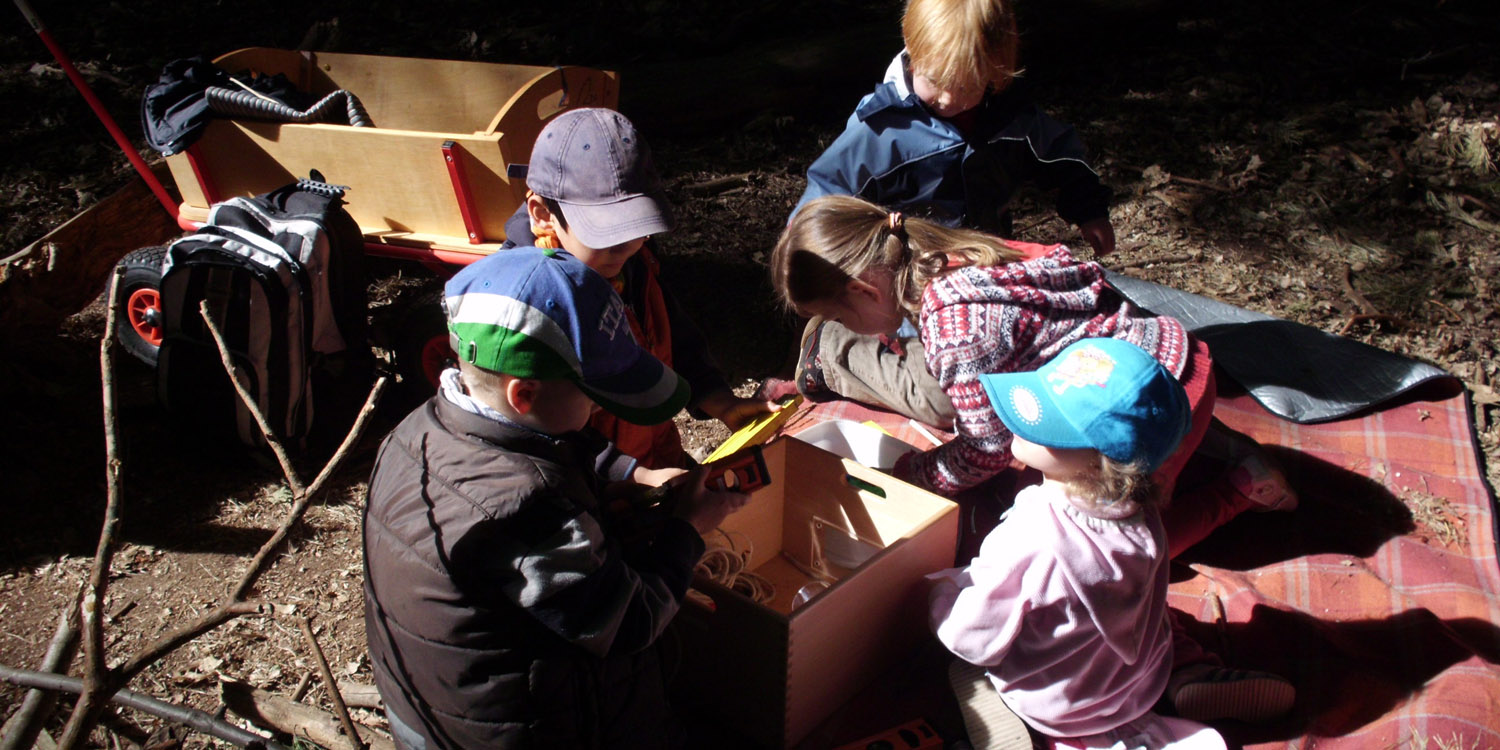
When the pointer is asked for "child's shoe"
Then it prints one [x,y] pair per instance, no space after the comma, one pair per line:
[1250,470]
[990,723]
[775,389]
[1206,692]
[1258,479]
[809,377]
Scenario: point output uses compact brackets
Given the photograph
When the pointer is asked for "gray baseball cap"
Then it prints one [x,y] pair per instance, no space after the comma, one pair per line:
[599,169]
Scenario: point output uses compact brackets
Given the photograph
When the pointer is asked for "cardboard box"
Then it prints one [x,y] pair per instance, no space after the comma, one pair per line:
[774,671]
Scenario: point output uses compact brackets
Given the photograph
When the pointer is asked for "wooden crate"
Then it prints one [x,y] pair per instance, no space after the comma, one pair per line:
[402,192]
[773,672]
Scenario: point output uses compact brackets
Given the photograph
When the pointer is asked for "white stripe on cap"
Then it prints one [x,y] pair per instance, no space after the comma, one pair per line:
[482,308]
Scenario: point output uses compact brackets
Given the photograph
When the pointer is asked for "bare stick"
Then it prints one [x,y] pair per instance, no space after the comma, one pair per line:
[265,428]
[361,695]
[1465,197]
[303,499]
[1139,262]
[279,714]
[171,641]
[302,686]
[1184,180]
[355,740]
[25,724]
[1451,204]
[720,184]
[1354,295]
[364,415]
[191,717]
[96,670]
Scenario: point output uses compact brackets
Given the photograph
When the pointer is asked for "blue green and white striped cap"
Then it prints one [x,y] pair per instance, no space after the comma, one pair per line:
[543,314]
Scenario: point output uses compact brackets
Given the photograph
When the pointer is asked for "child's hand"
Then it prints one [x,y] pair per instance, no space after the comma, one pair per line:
[1100,236]
[655,477]
[733,411]
[702,507]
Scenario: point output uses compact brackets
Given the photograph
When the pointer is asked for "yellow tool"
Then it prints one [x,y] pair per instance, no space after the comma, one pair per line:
[758,431]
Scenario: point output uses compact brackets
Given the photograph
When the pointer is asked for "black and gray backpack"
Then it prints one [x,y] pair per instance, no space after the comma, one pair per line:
[283,278]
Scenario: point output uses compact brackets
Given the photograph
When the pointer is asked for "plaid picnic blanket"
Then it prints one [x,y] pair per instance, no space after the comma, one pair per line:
[1379,597]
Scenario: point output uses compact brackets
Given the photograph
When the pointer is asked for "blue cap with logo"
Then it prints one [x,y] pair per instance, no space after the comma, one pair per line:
[543,314]
[1105,394]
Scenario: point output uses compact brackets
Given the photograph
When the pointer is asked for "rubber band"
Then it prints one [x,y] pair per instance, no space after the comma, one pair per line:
[896,221]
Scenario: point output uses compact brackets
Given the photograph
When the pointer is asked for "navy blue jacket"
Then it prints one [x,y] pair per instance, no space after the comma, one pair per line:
[896,153]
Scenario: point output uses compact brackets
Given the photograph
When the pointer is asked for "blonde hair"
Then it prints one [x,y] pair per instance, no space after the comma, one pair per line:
[486,385]
[1116,482]
[836,238]
[957,43]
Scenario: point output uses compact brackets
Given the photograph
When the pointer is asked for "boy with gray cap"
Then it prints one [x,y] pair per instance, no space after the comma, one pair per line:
[501,607]
[594,192]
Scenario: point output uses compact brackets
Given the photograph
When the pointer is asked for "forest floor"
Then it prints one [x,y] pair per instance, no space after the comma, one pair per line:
[1329,163]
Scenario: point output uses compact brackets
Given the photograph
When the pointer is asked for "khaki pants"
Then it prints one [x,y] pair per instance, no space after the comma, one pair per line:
[863,369]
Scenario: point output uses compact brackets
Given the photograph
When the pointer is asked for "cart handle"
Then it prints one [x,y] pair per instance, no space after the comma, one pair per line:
[99,110]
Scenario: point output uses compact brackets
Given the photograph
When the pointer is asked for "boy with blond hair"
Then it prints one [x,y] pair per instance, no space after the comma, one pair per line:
[949,137]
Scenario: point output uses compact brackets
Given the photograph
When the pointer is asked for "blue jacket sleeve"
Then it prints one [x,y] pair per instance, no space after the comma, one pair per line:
[839,170]
[1059,162]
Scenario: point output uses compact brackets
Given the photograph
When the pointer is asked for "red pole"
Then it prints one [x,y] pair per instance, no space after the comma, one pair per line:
[99,110]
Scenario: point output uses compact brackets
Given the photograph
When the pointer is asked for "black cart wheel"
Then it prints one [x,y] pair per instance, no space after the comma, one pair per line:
[423,352]
[138,316]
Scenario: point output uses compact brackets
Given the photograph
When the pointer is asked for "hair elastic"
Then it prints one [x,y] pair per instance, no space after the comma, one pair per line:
[896,221]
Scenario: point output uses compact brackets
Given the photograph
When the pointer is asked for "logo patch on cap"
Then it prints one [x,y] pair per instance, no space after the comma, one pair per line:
[1083,366]
[613,319]
[1027,407]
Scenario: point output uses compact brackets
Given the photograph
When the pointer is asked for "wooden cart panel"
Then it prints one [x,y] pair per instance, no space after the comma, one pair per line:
[403,190]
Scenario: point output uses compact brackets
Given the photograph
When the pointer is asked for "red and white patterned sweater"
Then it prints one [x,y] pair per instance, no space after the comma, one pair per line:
[1014,318]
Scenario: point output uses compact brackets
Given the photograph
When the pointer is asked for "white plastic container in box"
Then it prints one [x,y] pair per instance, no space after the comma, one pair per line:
[857,442]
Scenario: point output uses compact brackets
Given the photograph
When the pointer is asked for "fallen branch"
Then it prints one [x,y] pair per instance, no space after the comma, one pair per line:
[302,686]
[1449,204]
[1456,317]
[292,480]
[1466,198]
[22,728]
[96,682]
[299,506]
[278,714]
[191,717]
[1139,262]
[183,635]
[361,695]
[1366,309]
[333,688]
[719,185]
[1373,317]
[1179,179]
[102,682]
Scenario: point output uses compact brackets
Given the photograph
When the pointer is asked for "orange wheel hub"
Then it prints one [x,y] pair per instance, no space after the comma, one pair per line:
[143,309]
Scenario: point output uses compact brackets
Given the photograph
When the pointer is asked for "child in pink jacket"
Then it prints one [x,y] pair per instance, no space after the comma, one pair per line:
[1065,607]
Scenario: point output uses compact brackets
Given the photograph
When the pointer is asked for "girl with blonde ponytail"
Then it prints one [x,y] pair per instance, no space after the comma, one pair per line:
[855,236]
[980,305]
